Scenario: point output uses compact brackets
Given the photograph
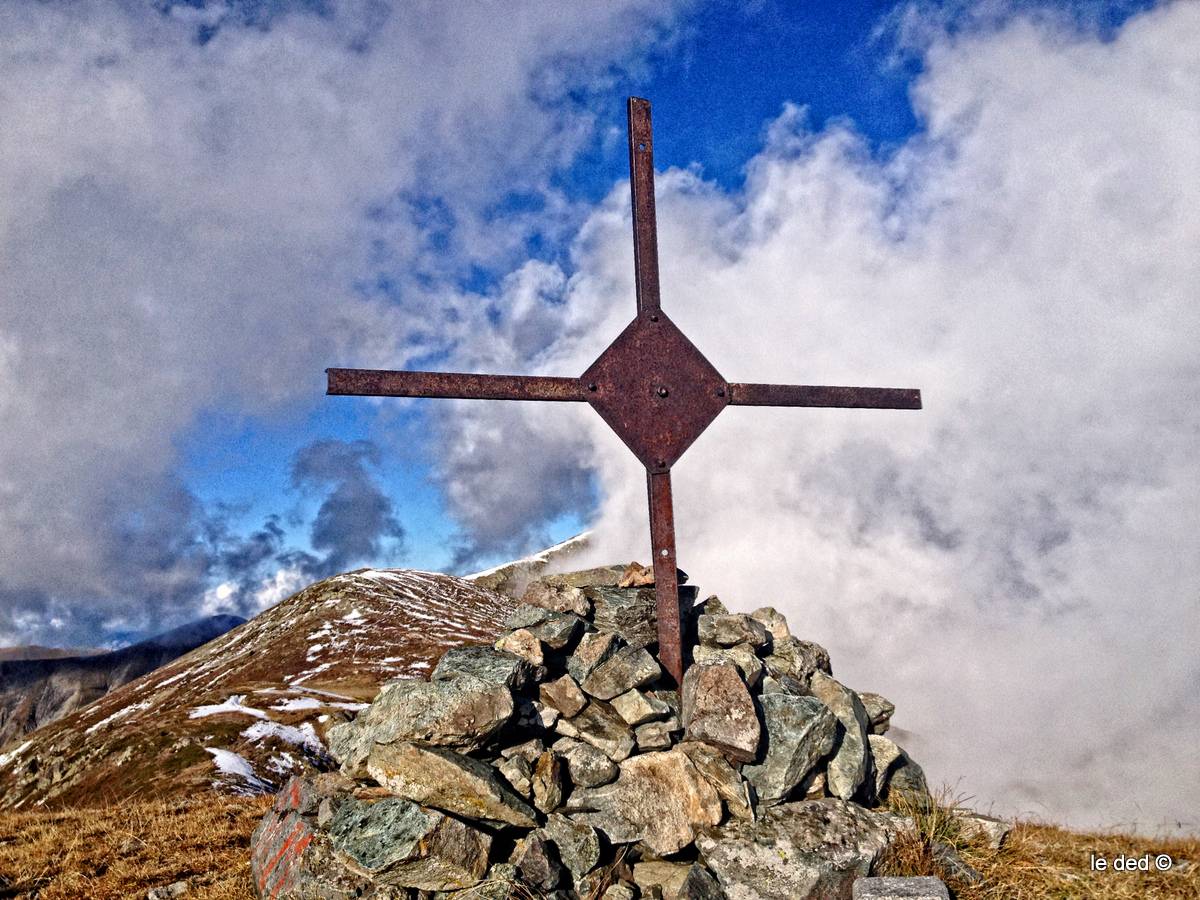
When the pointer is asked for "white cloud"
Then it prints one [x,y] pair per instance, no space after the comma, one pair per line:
[182,227]
[1014,565]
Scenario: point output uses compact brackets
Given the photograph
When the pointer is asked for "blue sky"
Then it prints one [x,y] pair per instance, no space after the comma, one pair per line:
[204,205]
[716,85]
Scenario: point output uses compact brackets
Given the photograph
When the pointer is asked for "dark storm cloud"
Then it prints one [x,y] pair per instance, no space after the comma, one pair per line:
[356,521]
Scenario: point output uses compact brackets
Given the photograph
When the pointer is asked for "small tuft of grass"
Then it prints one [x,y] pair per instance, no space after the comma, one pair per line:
[1037,861]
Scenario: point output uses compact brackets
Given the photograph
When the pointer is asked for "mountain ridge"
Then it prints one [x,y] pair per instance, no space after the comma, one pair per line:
[38,691]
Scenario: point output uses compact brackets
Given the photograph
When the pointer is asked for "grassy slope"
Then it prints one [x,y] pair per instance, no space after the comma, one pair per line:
[123,851]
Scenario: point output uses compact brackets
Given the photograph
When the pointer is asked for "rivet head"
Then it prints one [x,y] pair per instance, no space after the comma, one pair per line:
[660,463]
[591,385]
[663,552]
[662,392]
[720,392]
[654,318]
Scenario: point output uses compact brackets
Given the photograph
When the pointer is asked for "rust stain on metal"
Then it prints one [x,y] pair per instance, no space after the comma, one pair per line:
[652,386]
[666,587]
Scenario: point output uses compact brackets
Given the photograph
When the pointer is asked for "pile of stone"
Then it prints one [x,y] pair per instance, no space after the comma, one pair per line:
[561,762]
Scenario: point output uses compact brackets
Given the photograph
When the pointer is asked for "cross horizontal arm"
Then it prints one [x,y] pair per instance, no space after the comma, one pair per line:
[810,395]
[384,383]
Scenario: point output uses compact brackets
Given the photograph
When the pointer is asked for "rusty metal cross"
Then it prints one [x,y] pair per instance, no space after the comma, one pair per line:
[652,386]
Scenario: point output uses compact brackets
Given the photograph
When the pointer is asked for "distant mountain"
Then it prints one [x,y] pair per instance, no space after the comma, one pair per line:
[250,708]
[512,578]
[37,688]
[34,651]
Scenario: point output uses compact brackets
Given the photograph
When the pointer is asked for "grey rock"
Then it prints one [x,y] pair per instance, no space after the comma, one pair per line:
[578,844]
[879,711]
[636,708]
[518,773]
[547,715]
[396,842]
[586,766]
[558,630]
[924,887]
[653,736]
[718,709]
[563,694]
[441,778]
[658,798]
[774,621]
[525,644]
[894,769]
[537,862]
[732,628]
[669,697]
[556,596]
[462,713]
[609,822]
[977,826]
[668,877]
[628,668]
[167,892]
[792,656]
[531,714]
[498,884]
[600,726]
[526,615]
[528,751]
[484,663]
[716,770]
[851,764]
[548,778]
[712,606]
[811,849]
[800,732]
[618,891]
[631,613]
[812,786]
[601,576]
[741,655]
[700,885]
[594,648]
[784,684]
[954,865]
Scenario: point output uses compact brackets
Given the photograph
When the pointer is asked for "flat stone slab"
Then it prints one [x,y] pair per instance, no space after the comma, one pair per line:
[433,776]
[718,709]
[811,850]
[586,766]
[461,712]
[485,663]
[800,731]
[851,764]
[625,670]
[398,843]
[600,726]
[923,888]
[658,798]
[631,613]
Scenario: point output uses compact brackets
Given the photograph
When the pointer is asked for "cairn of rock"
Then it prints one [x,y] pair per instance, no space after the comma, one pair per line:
[559,763]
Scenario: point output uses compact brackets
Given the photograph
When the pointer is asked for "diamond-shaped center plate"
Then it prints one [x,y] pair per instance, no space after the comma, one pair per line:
[655,390]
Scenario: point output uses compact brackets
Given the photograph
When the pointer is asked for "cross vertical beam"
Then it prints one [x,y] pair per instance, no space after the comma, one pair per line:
[658,479]
[641,187]
[666,586]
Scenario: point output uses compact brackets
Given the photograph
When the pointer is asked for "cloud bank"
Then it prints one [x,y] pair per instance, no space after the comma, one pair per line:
[202,208]
[1015,565]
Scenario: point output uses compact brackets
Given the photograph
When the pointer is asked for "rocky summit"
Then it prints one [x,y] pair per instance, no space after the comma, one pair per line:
[560,761]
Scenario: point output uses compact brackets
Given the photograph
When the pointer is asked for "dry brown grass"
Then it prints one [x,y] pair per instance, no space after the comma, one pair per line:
[122,851]
[1041,862]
